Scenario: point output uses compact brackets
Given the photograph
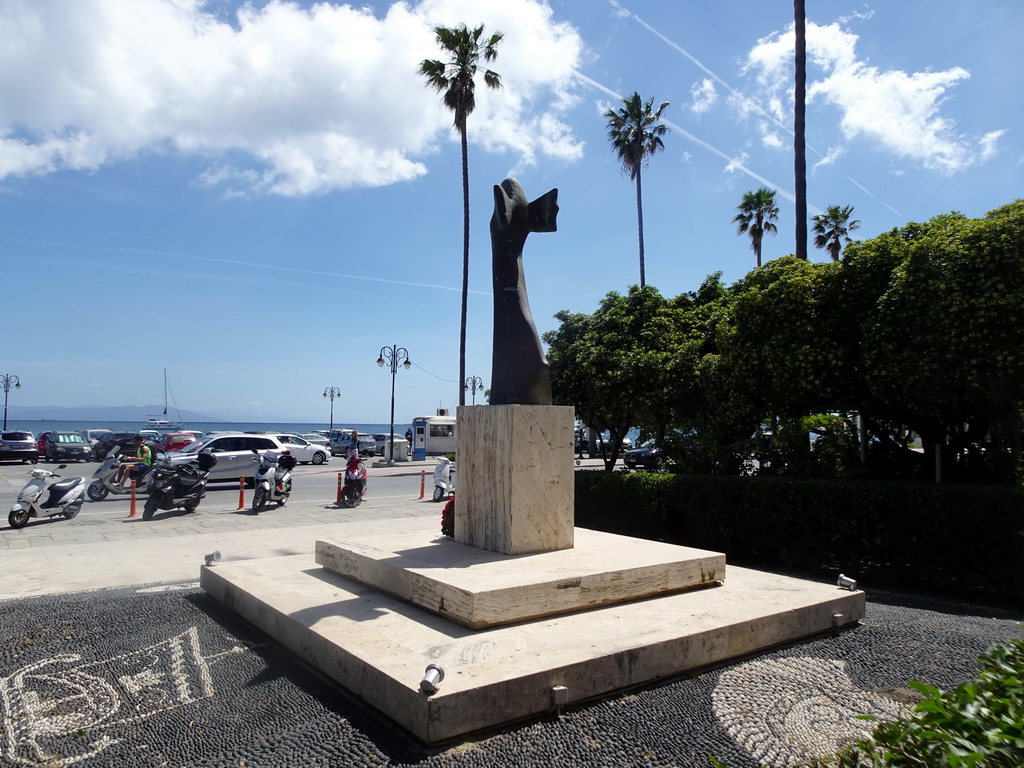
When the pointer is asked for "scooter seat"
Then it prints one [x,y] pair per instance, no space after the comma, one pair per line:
[57,491]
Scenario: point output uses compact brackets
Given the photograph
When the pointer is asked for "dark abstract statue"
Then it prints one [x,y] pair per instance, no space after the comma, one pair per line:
[519,370]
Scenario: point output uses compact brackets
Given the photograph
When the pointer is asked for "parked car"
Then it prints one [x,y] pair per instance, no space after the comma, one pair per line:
[19,445]
[93,436]
[303,450]
[367,445]
[41,441]
[316,439]
[114,442]
[647,456]
[381,439]
[340,439]
[67,446]
[174,441]
[234,452]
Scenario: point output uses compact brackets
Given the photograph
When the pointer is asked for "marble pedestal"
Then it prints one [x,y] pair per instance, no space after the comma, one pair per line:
[515,490]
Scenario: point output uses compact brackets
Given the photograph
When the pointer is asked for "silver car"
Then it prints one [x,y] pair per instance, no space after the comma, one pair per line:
[303,450]
[234,452]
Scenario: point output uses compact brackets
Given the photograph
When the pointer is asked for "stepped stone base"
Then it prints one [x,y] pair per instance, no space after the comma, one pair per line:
[378,646]
[481,589]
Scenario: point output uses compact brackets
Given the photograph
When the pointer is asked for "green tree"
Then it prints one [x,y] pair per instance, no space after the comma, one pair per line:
[616,366]
[635,134]
[456,80]
[757,216]
[832,227]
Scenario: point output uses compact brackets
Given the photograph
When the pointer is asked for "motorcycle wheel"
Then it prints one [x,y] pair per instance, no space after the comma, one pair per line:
[282,501]
[190,507]
[259,500]
[349,497]
[97,491]
[152,504]
[18,519]
[438,493]
[72,509]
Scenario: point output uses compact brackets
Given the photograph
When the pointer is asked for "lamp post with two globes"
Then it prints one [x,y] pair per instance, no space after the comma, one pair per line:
[474,383]
[393,356]
[8,380]
[331,393]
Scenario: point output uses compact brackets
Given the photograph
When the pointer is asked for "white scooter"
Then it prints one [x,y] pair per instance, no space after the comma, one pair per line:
[104,480]
[65,497]
[273,479]
[444,479]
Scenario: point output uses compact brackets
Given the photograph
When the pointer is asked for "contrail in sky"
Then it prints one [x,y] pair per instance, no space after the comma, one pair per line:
[623,11]
[235,262]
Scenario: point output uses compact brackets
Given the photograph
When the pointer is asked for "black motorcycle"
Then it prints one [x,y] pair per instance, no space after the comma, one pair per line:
[178,487]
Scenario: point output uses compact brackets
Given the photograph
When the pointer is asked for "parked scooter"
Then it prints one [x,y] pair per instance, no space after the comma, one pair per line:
[65,497]
[273,479]
[354,489]
[181,486]
[444,478]
[104,480]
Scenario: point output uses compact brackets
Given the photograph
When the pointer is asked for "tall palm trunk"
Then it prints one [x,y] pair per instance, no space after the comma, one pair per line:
[640,225]
[799,119]
[465,264]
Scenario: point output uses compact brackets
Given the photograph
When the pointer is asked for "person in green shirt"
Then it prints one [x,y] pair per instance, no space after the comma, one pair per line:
[137,465]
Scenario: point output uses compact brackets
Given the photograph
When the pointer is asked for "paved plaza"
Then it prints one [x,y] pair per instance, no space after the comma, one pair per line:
[110,655]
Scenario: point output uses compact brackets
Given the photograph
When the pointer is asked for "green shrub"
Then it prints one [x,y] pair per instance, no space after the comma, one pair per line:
[978,724]
[914,535]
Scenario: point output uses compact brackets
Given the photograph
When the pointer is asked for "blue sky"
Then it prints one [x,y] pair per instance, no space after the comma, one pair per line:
[258,197]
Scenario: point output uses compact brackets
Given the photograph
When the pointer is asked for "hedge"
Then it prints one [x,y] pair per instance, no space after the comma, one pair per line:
[942,537]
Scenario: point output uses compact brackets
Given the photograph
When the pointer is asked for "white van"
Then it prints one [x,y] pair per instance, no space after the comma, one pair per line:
[433,435]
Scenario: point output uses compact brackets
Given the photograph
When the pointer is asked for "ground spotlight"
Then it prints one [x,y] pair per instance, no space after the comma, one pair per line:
[846,582]
[431,678]
[213,557]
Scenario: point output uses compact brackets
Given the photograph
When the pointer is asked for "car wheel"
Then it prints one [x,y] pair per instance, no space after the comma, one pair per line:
[319,458]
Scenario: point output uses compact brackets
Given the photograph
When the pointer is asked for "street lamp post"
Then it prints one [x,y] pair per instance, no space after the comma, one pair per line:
[393,356]
[473,383]
[8,380]
[330,393]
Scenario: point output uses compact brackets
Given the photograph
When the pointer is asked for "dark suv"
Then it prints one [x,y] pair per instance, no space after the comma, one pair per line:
[19,445]
[122,440]
[67,446]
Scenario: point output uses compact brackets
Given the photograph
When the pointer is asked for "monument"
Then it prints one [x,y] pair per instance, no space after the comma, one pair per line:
[521,614]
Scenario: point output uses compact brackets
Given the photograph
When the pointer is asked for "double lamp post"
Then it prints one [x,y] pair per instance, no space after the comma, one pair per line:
[393,356]
[8,380]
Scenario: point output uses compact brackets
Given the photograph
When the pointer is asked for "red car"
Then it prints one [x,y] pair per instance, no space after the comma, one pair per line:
[174,441]
[43,437]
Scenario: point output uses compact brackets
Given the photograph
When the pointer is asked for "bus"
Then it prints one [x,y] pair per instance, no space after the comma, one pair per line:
[433,435]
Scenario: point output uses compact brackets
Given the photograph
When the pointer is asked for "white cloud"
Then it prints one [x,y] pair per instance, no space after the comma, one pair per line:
[704,96]
[279,98]
[893,109]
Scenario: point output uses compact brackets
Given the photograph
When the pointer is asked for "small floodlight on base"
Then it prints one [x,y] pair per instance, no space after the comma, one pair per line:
[845,582]
[213,557]
[433,675]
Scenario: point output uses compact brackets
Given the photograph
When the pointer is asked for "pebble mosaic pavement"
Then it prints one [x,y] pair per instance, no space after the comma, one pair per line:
[163,676]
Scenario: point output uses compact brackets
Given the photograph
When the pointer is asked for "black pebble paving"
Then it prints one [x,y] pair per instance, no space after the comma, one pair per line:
[269,711]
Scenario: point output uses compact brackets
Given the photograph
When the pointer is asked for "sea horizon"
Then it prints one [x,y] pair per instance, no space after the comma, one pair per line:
[35,426]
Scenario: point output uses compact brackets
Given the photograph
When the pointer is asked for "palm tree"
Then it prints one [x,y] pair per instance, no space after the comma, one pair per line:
[635,134]
[831,227]
[756,215]
[455,78]
[799,125]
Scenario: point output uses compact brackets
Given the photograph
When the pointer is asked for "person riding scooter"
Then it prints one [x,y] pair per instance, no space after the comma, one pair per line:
[137,466]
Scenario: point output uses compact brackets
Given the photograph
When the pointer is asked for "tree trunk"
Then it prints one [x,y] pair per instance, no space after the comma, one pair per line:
[640,226]
[465,265]
[799,119]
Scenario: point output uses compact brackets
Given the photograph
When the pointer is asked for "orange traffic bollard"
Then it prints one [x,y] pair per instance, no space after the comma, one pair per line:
[131,510]
[337,502]
[423,482]
[241,492]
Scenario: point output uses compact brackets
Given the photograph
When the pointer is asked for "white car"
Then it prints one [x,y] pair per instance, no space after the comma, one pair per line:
[303,450]
[234,452]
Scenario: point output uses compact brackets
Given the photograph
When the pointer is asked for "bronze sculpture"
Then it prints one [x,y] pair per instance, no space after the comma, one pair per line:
[519,370]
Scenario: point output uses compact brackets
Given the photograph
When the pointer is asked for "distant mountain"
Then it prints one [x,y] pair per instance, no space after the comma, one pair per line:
[101,413]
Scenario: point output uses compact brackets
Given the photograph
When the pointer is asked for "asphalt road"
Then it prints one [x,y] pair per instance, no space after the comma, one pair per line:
[151,672]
